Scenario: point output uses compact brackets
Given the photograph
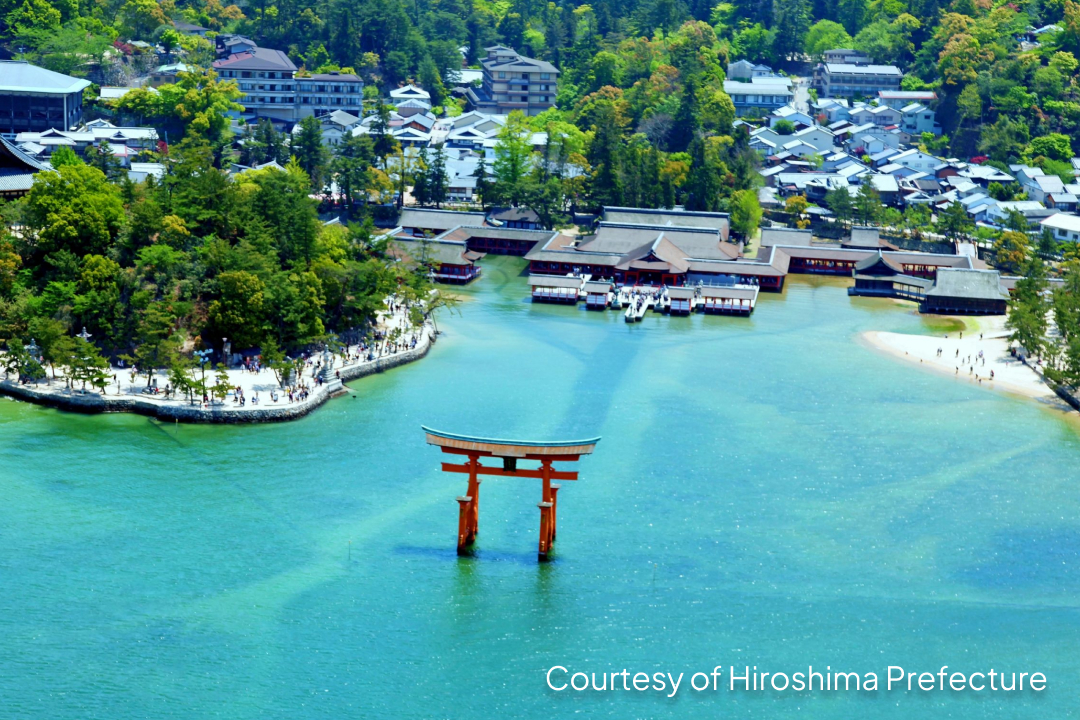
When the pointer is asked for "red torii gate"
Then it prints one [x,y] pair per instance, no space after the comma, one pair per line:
[510,451]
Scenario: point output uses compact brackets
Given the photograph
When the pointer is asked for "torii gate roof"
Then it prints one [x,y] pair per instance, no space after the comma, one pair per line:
[510,448]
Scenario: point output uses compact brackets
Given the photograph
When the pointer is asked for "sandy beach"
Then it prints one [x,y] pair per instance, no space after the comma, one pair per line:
[959,358]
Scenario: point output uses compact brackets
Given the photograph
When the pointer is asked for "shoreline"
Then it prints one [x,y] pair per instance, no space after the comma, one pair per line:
[180,410]
[991,338]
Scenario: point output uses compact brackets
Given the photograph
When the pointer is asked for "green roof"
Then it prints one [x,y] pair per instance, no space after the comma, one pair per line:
[496,441]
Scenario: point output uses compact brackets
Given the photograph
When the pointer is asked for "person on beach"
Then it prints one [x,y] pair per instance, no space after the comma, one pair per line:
[991,374]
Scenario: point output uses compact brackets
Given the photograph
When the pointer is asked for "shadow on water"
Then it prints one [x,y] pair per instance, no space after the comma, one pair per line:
[477,554]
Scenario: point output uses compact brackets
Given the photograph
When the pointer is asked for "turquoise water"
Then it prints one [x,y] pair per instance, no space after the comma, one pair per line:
[767,492]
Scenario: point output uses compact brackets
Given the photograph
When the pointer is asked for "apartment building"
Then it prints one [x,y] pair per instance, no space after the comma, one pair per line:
[846,80]
[512,82]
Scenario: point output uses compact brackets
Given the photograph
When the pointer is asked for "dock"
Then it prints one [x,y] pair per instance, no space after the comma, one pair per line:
[635,301]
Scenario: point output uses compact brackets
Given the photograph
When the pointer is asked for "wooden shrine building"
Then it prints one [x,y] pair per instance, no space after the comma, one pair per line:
[511,452]
[598,294]
[556,288]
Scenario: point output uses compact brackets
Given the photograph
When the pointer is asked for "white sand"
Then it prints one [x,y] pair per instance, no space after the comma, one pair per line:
[1010,375]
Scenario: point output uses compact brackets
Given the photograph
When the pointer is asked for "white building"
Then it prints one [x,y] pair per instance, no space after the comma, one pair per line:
[1063,226]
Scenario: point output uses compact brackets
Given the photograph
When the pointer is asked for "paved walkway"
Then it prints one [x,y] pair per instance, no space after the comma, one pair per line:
[258,388]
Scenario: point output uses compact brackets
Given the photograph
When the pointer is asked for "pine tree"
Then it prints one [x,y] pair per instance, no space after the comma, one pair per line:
[421,191]
[309,151]
[438,181]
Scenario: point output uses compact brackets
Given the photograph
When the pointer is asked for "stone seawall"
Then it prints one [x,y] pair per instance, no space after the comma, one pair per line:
[181,411]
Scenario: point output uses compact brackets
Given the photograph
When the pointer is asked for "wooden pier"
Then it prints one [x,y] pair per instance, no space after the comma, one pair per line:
[510,452]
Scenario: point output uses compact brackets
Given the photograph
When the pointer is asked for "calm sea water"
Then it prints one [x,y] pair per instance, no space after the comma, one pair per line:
[767,492]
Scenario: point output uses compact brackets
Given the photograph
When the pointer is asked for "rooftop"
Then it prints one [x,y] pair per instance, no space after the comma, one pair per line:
[964,283]
[849,69]
[257,59]
[21,76]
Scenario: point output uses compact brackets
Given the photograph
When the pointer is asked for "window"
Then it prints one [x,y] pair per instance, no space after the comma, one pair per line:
[502,76]
[545,76]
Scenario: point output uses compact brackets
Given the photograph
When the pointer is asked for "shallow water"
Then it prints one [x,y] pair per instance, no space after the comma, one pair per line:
[767,492]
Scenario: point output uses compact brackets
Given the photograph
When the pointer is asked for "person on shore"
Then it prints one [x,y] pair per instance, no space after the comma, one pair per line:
[991,374]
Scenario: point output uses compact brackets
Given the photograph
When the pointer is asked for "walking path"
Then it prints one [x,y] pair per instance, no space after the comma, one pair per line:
[252,398]
[959,357]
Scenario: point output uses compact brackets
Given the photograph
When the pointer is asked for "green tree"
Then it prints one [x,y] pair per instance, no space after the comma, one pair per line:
[513,155]
[745,213]
[953,222]
[825,35]
[310,153]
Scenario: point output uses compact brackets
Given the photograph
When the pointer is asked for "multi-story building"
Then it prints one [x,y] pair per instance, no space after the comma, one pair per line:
[266,77]
[35,99]
[846,55]
[513,82]
[272,90]
[323,93]
[847,80]
[760,96]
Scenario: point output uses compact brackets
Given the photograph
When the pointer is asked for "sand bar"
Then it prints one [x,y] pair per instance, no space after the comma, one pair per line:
[960,359]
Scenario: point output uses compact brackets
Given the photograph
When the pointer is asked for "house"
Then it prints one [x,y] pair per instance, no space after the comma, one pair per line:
[227,44]
[916,160]
[410,92]
[879,115]
[833,109]
[917,119]
[795,117]
[334,126]
[190,29]
[747,71]
[848,80]
[513,82]
[1063,202]
[817,137]
[1063,226]
[35,99]
[1041,187]
[760,96]
[165,74]
[407,108]
[1032,210]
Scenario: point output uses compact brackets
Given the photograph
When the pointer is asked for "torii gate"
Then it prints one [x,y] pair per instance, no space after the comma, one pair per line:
[510,451]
